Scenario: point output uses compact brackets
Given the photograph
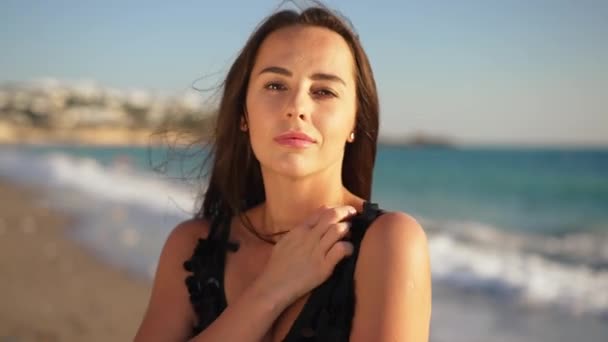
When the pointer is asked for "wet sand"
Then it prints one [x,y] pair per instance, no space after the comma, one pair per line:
[51,289]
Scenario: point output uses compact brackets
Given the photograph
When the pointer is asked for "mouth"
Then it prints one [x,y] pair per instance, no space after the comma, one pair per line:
[295,139]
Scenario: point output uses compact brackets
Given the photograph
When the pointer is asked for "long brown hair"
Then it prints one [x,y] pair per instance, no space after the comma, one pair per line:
[236,182]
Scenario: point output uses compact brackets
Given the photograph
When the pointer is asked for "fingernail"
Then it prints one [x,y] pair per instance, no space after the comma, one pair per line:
[351,249]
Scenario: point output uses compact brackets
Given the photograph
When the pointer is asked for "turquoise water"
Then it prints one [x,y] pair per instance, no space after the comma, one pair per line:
[544,191]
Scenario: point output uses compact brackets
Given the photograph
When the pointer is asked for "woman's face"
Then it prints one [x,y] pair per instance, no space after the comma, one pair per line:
[302,82]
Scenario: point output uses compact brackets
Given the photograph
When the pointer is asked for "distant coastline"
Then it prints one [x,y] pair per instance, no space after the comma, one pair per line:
[98,136]
[50,112]
[54,112]
[419,140]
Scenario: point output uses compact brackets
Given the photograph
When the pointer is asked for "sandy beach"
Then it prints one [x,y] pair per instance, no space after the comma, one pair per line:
[51,289]
[166,135]
[99,136]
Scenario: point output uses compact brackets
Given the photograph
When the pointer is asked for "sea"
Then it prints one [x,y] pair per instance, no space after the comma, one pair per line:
[518,237]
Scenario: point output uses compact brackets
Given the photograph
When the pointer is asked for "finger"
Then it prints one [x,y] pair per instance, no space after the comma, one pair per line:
[313,219]
[337,252]
[335,232]
[331,216]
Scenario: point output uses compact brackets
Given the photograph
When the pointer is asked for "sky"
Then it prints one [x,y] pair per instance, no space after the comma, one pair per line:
[512,72]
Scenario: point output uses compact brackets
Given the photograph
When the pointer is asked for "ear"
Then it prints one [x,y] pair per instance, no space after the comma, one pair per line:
[243,124]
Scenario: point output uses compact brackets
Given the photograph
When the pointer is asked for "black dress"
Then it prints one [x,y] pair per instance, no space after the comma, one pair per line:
[326,315]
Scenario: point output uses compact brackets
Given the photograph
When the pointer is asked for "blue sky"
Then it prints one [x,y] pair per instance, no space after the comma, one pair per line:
[517,72]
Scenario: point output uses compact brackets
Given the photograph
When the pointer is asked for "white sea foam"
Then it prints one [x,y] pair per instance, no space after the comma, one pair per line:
[503,263]
[116,183]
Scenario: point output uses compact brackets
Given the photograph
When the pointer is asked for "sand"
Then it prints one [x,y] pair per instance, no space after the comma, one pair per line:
[52,289]
[11,134]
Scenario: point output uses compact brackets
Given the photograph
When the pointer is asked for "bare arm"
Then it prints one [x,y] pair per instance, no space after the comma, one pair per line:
[169,316]
[393,282]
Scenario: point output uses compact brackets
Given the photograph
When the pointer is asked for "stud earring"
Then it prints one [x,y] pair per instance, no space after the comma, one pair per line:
[351,138]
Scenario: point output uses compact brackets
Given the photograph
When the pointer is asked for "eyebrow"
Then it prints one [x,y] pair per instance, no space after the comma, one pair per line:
[317,76]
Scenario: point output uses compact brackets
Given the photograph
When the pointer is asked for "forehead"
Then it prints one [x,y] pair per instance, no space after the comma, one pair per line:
[306,49]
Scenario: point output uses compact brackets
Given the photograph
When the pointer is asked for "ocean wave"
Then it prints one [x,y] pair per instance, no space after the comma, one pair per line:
[536,270]
[118,182]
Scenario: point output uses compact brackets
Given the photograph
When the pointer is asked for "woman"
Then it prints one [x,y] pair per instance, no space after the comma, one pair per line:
[287,246]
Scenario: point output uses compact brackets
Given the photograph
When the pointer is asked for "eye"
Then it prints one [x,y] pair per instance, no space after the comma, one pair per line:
[274,86]
[324,93]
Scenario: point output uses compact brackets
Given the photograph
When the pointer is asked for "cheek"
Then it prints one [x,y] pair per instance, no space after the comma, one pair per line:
[262,110]
[257,112]
[262,124]
[338,125]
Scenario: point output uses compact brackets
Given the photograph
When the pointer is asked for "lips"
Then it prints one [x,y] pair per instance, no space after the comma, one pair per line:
[295,139]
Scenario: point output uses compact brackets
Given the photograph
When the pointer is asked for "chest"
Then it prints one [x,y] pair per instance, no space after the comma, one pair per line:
[241,270]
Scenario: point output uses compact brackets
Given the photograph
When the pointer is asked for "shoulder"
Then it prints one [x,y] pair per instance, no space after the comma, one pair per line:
[395,244]
[394,234]
[392,281]
[169,315]
[177,249]
[181,242]
[186,233]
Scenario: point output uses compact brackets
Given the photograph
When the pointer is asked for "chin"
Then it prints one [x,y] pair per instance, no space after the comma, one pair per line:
[294,171]
[292,167]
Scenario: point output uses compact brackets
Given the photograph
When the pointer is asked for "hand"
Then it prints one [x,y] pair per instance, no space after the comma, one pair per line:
[307,255]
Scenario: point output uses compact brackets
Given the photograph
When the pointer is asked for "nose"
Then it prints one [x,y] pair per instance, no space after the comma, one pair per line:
[299,105]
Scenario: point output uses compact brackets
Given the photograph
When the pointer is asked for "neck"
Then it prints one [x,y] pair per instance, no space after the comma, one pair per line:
[290,201]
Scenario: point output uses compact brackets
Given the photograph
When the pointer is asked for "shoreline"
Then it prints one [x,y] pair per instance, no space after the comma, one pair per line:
[94,136]
[53,288]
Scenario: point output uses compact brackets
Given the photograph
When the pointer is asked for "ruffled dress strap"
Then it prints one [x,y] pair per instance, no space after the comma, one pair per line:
[206,283]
